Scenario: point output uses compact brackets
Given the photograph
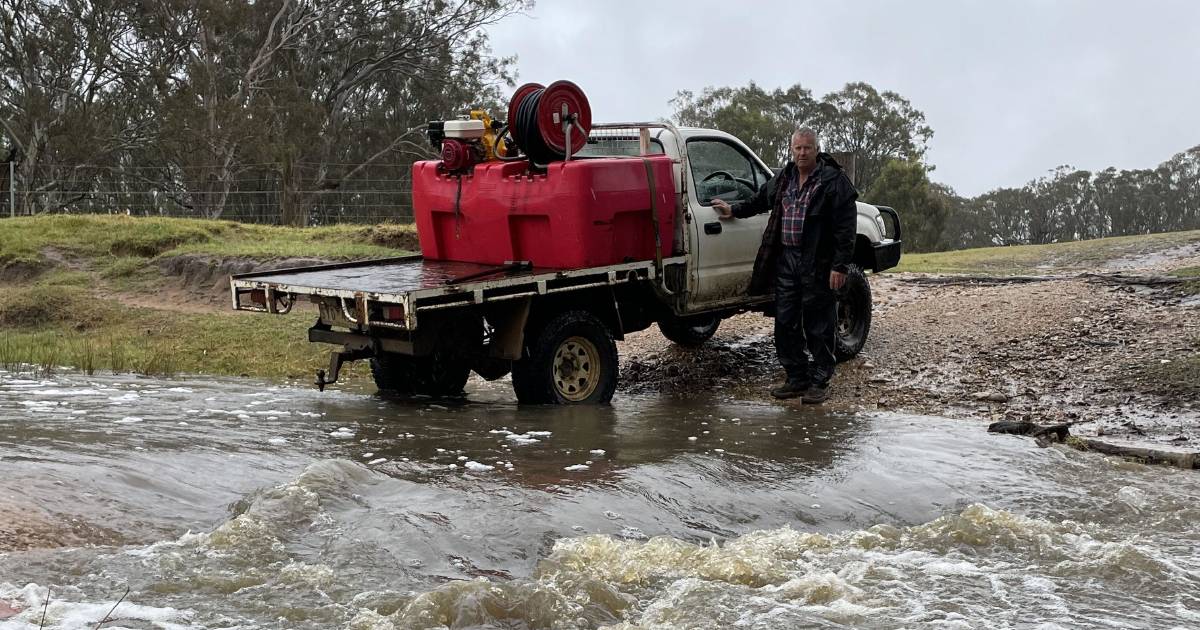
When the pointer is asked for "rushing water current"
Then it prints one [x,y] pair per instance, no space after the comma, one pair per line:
[234,504]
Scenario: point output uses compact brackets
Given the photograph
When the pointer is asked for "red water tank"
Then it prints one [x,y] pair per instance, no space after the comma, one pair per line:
[581,213]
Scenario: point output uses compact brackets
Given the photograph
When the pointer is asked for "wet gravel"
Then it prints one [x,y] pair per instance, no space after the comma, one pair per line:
[1063,349]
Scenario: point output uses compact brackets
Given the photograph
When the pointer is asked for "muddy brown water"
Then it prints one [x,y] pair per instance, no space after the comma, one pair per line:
[236,504]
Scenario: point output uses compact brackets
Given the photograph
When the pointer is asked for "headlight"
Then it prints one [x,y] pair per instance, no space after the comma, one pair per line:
[882,228]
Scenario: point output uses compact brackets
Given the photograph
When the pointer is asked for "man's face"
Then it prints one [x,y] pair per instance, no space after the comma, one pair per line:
[804,151]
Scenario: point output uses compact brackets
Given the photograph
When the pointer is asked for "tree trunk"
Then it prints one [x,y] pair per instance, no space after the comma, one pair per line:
[293,210]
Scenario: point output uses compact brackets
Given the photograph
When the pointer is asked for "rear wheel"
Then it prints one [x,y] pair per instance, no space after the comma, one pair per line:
[443,372]
[572,359]
[689,331]
[854,314]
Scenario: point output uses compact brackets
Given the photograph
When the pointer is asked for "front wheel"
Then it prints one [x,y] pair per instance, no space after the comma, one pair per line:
[854,314]
[690,331]
[572,359]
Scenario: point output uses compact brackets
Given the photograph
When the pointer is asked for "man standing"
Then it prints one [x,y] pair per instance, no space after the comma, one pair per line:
[805,254]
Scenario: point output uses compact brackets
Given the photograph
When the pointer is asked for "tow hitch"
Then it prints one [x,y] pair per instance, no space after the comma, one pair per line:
[336,359]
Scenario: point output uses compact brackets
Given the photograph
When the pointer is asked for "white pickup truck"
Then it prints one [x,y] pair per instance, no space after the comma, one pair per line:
[426,324]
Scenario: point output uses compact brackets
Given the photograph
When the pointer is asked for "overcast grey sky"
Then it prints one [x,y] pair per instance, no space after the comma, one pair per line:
[1011,88]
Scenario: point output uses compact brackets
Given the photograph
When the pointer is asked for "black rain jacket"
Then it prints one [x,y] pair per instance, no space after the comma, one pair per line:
[830,224]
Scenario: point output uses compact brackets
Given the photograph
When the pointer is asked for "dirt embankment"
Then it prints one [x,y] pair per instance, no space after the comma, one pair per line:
[196,280]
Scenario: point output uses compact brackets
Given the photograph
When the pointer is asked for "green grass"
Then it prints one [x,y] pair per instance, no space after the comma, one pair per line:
[1039,259]
[335,242]
[63,317]
[1180,377]
[111,241]
[46,304]
[161,343]
[1191,287]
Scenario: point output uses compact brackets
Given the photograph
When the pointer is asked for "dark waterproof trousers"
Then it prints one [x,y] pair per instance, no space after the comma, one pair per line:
[805,320]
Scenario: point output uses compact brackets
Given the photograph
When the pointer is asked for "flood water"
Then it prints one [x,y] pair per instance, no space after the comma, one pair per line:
[237,504]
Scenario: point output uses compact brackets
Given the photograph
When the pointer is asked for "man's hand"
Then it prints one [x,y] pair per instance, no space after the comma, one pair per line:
[724,210]
[837,280]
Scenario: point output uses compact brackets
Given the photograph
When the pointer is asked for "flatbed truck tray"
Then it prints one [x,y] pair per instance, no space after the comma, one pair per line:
[414,285]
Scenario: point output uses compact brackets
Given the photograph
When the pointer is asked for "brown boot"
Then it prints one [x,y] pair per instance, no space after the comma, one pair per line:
[815,394]
[790,389]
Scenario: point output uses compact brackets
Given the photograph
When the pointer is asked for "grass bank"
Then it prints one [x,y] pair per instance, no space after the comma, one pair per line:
[57,323]
[1043,259]
[159,343]
[118,241]
[60,277]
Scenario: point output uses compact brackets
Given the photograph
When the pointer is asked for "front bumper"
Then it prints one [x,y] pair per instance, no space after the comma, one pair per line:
[887,252]
[887,255]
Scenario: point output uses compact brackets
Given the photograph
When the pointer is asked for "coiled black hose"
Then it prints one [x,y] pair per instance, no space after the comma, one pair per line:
[528,135]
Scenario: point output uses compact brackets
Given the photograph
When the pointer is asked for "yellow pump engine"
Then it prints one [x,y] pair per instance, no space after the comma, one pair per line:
[465,143]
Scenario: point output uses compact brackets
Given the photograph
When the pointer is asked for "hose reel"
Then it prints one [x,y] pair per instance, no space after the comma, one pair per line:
[549,123]
[546,124]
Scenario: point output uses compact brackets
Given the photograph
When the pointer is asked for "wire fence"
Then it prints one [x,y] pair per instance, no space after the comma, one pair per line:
[324,194]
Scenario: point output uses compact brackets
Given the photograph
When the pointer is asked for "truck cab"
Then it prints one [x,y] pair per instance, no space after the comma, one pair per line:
[713,164]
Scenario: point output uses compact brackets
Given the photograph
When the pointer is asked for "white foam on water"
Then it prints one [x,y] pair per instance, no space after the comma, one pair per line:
[980,567]
[526,439]
[1133,497]
[70,608]
[18,383]
[84,391]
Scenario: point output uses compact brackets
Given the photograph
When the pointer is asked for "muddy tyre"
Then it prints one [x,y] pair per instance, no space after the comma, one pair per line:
[691,331]
[570,360]
[853,314]
[394,373]
[430,376]
[443,372]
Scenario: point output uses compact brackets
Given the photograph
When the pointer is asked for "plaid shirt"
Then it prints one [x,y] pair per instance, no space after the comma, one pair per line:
[794,205]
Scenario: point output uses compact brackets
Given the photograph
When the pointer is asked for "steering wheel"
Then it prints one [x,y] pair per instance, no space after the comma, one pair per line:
[726,175]
[714,174]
